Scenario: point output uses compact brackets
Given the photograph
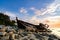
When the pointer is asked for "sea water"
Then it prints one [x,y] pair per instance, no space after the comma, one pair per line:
[56,32]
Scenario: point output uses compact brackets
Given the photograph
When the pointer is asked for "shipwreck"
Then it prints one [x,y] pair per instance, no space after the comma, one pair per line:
[25,25]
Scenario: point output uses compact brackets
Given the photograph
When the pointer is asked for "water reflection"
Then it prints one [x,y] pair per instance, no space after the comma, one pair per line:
[56,31]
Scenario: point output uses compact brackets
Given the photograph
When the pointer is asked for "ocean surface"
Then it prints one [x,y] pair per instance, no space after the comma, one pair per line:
[56,31]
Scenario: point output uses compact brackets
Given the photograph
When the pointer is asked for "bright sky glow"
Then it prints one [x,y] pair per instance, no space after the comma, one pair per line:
[33,11]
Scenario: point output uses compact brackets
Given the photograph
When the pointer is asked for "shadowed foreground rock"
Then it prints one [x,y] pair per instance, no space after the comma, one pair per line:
[10,33]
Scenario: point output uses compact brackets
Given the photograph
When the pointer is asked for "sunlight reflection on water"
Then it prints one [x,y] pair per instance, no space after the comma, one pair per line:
[56,31]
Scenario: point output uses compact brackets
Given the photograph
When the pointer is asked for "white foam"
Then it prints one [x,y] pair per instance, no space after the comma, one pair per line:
[56,31]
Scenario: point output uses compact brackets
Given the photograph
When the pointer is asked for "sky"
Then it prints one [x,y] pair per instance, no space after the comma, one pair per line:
[33,11]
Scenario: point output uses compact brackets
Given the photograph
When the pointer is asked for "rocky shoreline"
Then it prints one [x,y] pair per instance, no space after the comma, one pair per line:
[9,33]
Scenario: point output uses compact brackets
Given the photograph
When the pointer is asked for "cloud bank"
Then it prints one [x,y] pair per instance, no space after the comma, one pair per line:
[53,21]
